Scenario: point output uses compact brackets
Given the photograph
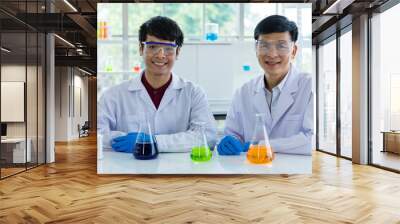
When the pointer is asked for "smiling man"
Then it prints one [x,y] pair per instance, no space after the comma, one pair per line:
[283,94]
[173,106]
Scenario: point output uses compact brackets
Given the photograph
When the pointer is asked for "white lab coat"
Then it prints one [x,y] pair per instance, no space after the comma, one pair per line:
[289,124]
[122,108]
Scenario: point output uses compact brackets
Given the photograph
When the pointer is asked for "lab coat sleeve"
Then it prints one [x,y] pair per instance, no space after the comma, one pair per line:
[184,141]
[106,121]
[233,122]
[300,143]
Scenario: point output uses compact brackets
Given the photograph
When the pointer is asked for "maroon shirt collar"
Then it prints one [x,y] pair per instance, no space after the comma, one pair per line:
[155,94]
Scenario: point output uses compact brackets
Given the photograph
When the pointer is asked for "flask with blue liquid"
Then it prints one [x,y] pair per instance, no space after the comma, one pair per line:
[146,145]
[211,31]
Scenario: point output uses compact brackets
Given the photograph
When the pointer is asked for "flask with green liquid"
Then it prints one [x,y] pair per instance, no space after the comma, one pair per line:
[201,151]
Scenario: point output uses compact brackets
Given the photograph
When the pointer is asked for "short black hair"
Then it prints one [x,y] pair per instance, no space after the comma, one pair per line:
[163,28]
[276,24]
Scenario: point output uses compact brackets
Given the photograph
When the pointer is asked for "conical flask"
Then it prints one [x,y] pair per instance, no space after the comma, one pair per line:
[145,146]
[201,151]
[260,151]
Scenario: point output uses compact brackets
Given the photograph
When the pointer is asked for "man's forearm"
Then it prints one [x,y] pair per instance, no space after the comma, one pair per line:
[295,144]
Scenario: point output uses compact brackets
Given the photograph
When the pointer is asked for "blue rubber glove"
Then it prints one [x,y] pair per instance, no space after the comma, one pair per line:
[127,142]
[229,145]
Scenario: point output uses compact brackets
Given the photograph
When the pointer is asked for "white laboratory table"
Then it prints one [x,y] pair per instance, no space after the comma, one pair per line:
[180,163]
[19,154]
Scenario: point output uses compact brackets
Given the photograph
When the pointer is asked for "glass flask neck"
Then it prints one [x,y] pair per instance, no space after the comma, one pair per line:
[260,134]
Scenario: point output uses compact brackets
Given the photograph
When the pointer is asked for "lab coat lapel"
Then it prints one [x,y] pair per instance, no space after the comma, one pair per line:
[286,97]
[144,95]
[171,92]
[137,85]
[169,95]
[260,102]
[284,102]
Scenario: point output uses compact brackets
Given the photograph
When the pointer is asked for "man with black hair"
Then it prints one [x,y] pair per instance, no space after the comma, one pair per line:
[282,94]
[173,106]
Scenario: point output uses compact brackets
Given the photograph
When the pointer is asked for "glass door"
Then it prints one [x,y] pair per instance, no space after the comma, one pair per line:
[327,96]
[385,90]
[346,93]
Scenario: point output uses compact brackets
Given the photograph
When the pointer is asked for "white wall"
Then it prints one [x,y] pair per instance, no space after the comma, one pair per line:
[314,88]
[61,104]
[218,69]
[71,94]
[33,125]
[12,100]
[14,73]
[80,109]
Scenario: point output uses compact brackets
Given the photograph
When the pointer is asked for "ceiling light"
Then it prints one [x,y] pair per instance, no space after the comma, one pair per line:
[79,51]
[64,40]
[84,71]
[70,5]
[5,50]
[338,6]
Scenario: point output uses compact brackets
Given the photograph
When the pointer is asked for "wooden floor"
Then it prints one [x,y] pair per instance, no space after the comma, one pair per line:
[10,171]
[70,191]
[387,159]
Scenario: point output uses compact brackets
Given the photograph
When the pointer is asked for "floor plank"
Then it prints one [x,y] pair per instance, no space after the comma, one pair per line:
[70,191]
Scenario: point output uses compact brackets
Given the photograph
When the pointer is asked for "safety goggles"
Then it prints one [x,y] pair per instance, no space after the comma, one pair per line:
[155,47]
[282,47]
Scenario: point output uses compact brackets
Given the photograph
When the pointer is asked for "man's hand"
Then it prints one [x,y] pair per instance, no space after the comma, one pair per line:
[127,142]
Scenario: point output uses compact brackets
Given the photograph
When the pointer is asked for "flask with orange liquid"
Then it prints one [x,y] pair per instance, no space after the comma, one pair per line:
[102,30]
[260,151]
[105,31]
